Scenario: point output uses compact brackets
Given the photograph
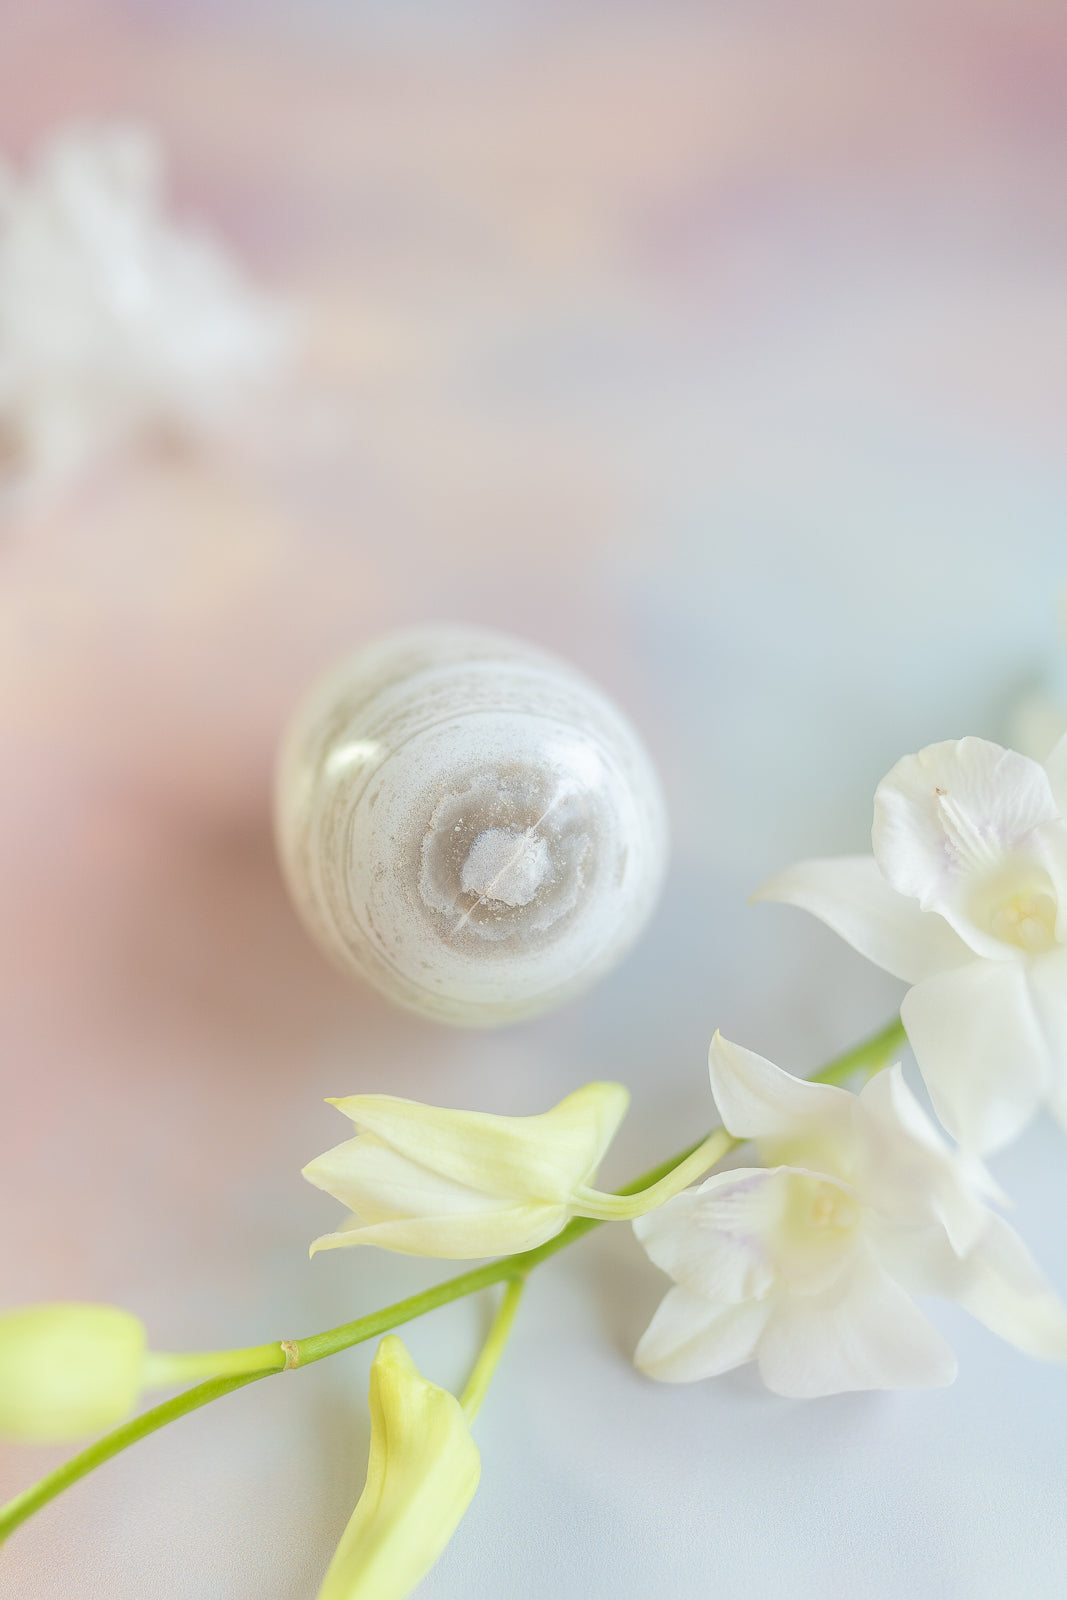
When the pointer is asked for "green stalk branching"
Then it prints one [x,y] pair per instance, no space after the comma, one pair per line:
[267,1360]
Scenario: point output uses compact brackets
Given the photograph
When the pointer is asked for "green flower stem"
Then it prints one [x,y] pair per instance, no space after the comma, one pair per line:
[30,1500]
[165,1371]
[623,1208]
[493,1348]
[869,1057]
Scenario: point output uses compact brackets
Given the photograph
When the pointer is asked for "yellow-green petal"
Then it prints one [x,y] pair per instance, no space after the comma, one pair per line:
[539,1158]
[421,1476]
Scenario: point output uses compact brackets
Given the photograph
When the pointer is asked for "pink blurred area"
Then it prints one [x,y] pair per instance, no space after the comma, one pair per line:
[580,285]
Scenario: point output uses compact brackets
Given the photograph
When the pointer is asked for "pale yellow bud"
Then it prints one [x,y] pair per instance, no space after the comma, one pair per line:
[427,1181]
[68,1369]
[422,1473]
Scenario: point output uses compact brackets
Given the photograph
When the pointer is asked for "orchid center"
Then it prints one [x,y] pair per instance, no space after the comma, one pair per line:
[817,1228]
[1027,920]
[819,1206]
[1020,912]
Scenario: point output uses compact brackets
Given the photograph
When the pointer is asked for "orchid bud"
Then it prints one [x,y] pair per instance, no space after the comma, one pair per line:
[421,1476]
[68,1369]
[460,1184]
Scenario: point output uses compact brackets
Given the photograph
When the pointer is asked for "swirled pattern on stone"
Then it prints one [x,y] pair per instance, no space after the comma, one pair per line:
[468,824]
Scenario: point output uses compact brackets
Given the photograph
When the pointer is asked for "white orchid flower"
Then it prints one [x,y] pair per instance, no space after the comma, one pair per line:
[808,1265]
[426,1181]
[423,1470]
[965,898]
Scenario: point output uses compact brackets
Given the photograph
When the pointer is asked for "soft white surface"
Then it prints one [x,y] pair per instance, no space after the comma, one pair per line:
[768,441]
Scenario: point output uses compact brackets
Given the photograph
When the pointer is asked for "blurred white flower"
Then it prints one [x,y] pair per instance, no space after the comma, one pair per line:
[808,1265]
[423,1470]
[965,897]
[112,318]
[426,1181]
[1037,718]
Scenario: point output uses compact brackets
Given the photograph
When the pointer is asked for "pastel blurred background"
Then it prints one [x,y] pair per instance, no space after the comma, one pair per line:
[720,348]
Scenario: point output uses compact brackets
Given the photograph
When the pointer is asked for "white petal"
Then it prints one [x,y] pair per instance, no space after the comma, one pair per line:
[948,820]
[981,1049]
[712,1240]
[1009,1294]
[757,1100]
[851,896]
[741,1232]
[455,1238]
[1054,835]
[1048,985]
[864,1333]
[688,1338]
[890,1109]
[380,1184]
[905,1170]
[1056,767]
[999,1283]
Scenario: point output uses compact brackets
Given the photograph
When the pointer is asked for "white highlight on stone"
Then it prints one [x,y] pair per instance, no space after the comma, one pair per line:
[505,865]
